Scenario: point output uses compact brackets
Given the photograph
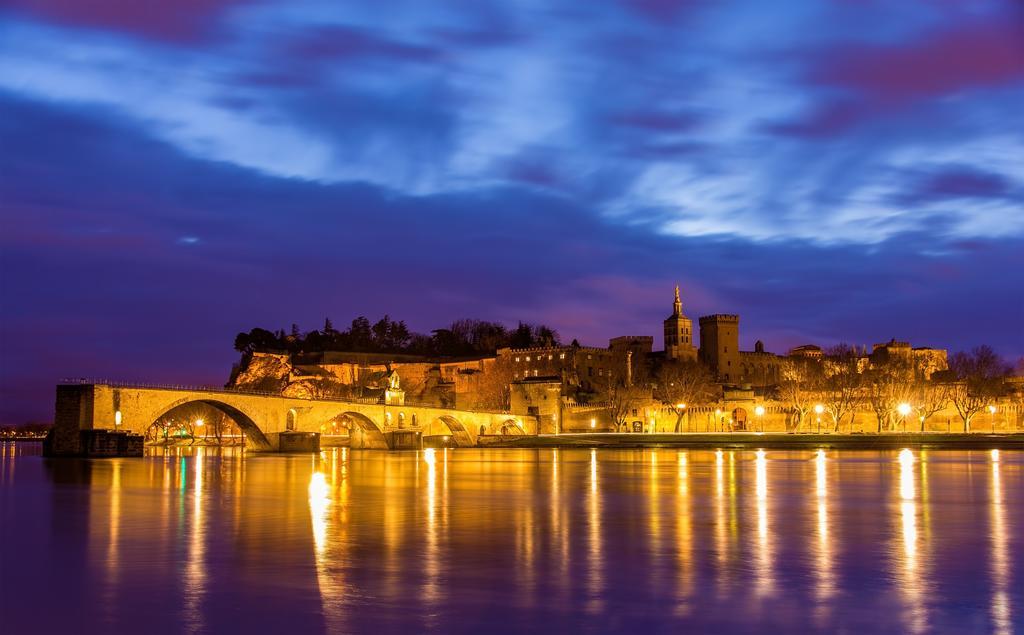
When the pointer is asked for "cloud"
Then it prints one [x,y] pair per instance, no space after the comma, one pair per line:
[88,243]
[178,21]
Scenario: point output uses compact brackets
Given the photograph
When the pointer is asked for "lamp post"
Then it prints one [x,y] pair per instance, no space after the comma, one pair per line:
[718,419]
[904,409]
[759,412]
[818,409]
[992,418]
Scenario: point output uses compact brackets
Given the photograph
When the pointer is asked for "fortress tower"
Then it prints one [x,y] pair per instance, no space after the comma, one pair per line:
[720,345]
[679,333]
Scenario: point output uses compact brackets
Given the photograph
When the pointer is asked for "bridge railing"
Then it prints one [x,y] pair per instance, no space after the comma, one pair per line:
[244,391]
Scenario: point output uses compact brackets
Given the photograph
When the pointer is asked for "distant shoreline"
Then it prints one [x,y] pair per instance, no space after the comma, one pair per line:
[769,440]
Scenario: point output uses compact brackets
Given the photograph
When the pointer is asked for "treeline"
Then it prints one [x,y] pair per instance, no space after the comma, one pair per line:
[894,388]
[461,338]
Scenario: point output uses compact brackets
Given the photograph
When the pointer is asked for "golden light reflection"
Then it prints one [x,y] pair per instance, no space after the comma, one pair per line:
[431,549]
[595,575]
[1001,607]
[113,552]
[684,537]
[720,542]
[764,556]
[824,577]
[559,526]
[910,574]
[195,568]
[318,503]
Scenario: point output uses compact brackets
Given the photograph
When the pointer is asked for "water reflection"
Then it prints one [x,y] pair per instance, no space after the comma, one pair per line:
[195,570]
[909,574]
[824,579]
[684,535]
[524,541]
[594,557]
[1000,559]
[763,571]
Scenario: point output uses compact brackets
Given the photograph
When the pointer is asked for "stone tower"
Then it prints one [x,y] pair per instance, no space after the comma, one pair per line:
[720,345]
[679,333]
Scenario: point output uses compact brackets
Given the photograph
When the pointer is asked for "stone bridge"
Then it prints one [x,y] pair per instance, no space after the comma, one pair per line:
[262,418]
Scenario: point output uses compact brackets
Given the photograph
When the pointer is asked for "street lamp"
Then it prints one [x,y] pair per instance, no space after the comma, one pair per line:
[680,407]
[759,412]
[593,423]
[904,409]
[992,418]
[718,419]
[818,409]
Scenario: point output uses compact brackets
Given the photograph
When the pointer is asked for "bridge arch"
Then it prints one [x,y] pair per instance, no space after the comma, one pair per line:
[449,425]
[506,427]
[363,432]
[244,422]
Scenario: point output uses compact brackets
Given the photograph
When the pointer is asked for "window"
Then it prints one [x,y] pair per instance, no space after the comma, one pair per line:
[726,350]
[534,372]
[550,357]
[517,360]
[528,357]
[561,356]
[590,371]
[590,356]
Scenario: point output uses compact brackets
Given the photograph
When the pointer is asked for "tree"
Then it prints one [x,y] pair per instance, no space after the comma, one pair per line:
[522,337]
[929,397]
[841,383]
[977,379]
[799,381]
[684,384]
[360,334]
[620,397]
[256,340]
[888,383]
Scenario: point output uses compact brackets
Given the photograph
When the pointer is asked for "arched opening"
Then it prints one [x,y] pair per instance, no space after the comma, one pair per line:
[290,421]
[739,419]
[208,421]
[506,427]
[446,431]
[363,432]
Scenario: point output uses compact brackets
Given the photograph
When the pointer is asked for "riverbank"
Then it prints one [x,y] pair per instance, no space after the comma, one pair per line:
[768,440]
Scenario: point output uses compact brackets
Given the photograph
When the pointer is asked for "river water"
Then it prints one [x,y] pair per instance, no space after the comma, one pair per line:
[513,541]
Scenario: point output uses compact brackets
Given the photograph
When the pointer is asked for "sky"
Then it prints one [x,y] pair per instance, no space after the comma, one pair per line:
[172,173]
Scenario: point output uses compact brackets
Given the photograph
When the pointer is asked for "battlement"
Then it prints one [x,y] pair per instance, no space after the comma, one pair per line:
[720,317]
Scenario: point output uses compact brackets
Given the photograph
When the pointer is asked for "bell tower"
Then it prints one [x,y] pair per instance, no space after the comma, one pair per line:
[679,333]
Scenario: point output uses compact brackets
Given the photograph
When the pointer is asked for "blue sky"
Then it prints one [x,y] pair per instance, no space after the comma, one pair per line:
[173,173]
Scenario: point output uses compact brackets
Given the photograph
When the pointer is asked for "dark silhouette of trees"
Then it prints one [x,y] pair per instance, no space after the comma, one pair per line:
[462,338]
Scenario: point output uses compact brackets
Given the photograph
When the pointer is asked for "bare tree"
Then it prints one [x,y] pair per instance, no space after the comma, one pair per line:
[929,397]
[888,384]
[842,383]
[683,385]
[620,398]
[977,379]
[799,382]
